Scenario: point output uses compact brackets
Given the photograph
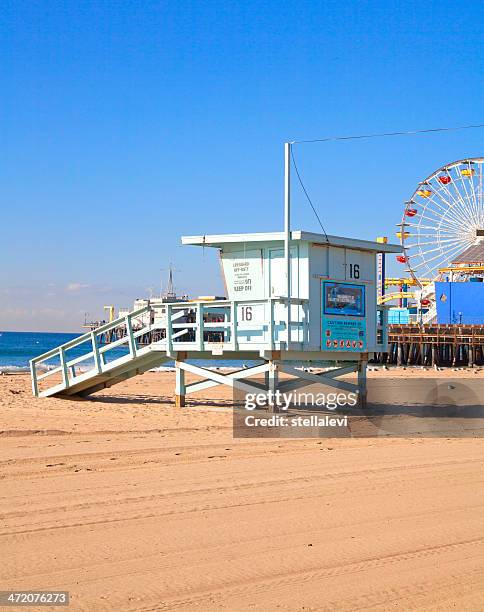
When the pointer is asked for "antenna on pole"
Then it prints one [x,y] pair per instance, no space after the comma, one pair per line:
[170,290]
[170,281]
[287,233]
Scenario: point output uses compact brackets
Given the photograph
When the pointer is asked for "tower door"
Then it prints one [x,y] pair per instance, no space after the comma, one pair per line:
[277,273]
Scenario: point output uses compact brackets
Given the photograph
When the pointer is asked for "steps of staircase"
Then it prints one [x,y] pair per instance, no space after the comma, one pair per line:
[90,382]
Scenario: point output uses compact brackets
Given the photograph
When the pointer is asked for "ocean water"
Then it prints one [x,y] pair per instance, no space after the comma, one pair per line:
[17,348]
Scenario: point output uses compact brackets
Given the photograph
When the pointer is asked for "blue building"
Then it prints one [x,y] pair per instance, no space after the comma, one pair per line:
[398,316]
[460,303]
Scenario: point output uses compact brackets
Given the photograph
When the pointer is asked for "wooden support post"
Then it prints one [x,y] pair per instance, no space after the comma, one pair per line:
[130,334]
[416,353]
[200,334]
[35,384]
[271,324]
[180,387]
[362,388]
[455,353]
[406,353]
[96,354]
[435,353]
[233,327]
[169,329]
[272,378]
[64,369]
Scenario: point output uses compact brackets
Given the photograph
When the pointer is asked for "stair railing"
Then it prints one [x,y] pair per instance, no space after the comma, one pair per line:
[97,350]
[169,327]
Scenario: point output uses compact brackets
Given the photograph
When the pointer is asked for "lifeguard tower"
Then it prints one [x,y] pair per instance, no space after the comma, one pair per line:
[331,320]
[295,299]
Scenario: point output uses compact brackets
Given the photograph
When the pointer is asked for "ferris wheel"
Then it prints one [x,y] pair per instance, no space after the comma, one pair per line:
[444,216]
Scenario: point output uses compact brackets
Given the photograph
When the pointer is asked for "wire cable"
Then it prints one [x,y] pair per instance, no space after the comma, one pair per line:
[380,135]
[365,136]
[306,194]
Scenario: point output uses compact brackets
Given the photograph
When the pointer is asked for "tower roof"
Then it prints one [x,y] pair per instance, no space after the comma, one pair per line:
[218,240]
[472,255]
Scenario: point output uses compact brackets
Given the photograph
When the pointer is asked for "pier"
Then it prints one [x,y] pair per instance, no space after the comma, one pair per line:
[435,345]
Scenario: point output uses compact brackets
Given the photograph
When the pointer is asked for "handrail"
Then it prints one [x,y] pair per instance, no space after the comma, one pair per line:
[84,337]
[193,304]
[175,328]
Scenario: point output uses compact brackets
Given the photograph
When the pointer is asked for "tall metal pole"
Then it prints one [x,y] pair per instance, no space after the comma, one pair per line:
[287,233]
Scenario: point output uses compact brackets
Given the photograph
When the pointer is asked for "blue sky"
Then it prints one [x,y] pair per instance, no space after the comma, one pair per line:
[125,125]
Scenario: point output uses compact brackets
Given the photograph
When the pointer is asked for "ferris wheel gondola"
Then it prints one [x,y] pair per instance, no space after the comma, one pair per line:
[444,216]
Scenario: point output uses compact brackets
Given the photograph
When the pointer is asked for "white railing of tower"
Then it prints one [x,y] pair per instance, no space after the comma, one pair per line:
[224,326]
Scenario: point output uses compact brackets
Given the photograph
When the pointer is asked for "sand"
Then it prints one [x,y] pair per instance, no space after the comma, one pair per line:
[132,504]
